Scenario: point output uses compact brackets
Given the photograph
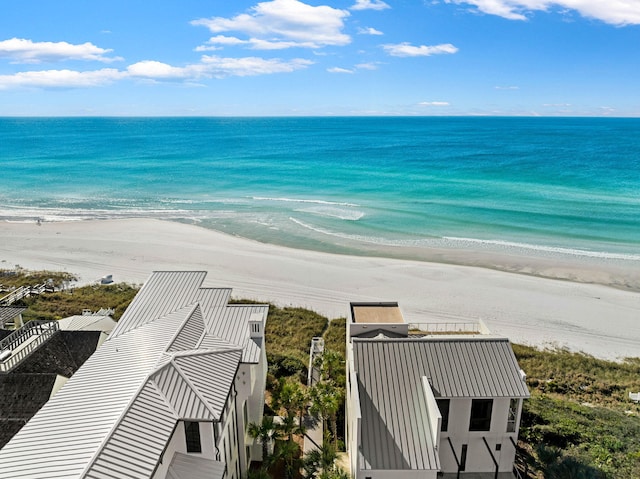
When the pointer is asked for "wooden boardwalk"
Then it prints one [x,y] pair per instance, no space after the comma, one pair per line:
[21,292]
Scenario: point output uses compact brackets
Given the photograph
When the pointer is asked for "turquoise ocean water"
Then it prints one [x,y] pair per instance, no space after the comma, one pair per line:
[549,186]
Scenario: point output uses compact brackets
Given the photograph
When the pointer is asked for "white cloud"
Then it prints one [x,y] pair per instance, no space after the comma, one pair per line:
[368,66]
[614,12]
[405,49]
[370,5]
[161,71]
[284,24]
[248,66]
[220,40]
[60,79]
[21,50]
[209,67]
[369,31]
[510,87]
[339,70]
[434,103]
[216,67]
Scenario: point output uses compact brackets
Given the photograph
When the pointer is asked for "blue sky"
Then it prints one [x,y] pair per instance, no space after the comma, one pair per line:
[327,57]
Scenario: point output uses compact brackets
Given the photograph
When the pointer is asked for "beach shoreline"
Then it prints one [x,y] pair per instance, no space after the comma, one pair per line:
[594,307]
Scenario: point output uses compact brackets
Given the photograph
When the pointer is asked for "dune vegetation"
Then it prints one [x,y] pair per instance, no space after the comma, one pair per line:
[579,421]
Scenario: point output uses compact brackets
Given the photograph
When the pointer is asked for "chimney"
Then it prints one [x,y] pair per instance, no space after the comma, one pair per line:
[256,326]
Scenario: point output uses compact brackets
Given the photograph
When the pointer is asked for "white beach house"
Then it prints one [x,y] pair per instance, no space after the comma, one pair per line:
[168,395]
[425,399]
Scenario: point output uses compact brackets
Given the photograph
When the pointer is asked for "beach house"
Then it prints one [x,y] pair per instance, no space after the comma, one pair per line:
[427,400]
[169,394]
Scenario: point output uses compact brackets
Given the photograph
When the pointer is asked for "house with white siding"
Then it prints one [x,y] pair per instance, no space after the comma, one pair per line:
[427,400]
[169,394]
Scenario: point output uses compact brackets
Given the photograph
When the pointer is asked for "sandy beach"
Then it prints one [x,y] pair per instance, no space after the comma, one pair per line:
[600,320]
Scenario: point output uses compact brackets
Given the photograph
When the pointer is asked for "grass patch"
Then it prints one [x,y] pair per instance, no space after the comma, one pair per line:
[14,278]
[579,421]
[288,335]
[579,377]
[335,337]
[598,441]
[61,304]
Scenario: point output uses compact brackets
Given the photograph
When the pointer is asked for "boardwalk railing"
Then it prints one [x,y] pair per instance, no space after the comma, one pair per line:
[21,292]
[19,345]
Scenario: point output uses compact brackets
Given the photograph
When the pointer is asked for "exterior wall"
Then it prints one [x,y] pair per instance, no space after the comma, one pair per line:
[353,416]
[250,385]
[478,457]
[397,474]
[230,443]
[178,443]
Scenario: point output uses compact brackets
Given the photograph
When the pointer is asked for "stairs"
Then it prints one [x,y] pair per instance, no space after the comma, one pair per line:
[19,345]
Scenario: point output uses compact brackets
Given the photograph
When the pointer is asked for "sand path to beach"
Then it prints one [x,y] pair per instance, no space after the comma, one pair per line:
[596,319]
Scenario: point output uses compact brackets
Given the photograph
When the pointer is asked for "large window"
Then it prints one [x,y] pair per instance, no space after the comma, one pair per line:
[513,414]
[480,414]
[443,405]
[192,434]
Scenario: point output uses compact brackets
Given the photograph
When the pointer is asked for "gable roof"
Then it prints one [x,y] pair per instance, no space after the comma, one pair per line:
[185,466]
[114,417]
[395,417]
[456,367]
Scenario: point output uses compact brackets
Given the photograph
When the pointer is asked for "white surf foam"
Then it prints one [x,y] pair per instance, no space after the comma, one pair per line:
[303,200]
[546,249]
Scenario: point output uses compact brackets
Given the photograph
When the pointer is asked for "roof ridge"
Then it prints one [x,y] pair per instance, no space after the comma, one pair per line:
[447,338]
[193,309]
[193,387]
[113,429]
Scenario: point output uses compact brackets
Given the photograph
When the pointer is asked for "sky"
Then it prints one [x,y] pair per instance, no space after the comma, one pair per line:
[317,58]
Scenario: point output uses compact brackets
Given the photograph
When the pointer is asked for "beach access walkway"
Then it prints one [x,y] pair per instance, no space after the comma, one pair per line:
[22,292]
[20,344]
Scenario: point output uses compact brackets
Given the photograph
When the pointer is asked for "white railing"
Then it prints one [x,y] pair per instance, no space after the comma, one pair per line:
[21,292]
[19,346]
[450,327]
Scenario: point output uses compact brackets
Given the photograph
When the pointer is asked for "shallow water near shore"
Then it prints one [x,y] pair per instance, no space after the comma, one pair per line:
[556,189]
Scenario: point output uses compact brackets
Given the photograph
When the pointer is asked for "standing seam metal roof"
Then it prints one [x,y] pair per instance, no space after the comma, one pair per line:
[184,466]
[395,431]
[116,414]
[395,420]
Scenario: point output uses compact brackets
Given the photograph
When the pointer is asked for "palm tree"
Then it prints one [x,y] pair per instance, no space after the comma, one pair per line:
[290,427]
[291,396]
[332,366]
[320,460]
[327,399]
[264,433]
[289,452]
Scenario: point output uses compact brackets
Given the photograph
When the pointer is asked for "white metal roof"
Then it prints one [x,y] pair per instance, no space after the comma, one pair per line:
[8,313]
[184,466]
[88,323]
[394,412]
[114,417]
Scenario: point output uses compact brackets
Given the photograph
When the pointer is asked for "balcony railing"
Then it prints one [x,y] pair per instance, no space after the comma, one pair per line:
[449,327]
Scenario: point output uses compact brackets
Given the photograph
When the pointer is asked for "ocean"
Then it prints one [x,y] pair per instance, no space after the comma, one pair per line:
[566,187]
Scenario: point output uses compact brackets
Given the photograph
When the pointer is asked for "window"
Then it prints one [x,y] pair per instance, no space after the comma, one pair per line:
[513,414]
[245,415]
[192,434]
[443,405]
[480,414]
